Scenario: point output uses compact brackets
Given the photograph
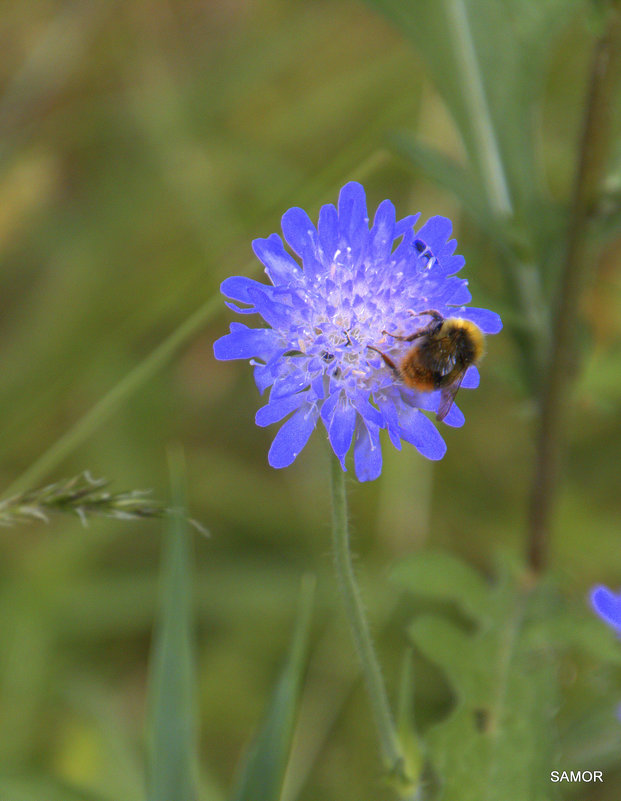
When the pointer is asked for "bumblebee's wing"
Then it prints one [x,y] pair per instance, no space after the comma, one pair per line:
[442,359]
[447,396]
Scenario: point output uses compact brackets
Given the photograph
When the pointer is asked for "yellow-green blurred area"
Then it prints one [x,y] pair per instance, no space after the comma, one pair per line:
[143,145]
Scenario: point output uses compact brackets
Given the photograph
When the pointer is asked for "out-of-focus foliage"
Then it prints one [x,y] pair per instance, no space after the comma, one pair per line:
[487,60]
[263,769]
[499,740]
[142,146]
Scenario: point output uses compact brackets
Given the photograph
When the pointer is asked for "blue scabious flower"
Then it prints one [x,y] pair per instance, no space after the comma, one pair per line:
[323,314]
[608,606]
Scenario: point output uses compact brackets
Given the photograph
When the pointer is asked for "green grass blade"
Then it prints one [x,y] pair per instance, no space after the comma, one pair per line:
[444,171]
[102,410]
[172,769]
[412,745]
[263,771]
[37,788]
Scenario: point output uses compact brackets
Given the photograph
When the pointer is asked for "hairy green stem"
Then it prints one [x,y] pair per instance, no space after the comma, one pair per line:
[561,367]
[390,746]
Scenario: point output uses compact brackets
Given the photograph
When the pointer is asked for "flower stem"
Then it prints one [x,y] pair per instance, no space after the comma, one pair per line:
[390,746]
[560,370]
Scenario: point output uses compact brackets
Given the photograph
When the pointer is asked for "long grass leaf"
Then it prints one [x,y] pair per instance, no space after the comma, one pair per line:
[102,410]
[37,788]
[263,771]
[172,770]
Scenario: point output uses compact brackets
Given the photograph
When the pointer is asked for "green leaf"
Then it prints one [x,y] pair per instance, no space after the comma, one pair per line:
[592,735]
[442,576]
[498,741]
[411,743]
[264,767]
[578,630]
[172,770]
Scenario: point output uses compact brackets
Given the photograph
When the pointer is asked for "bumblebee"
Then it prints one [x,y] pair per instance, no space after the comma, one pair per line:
[445,348]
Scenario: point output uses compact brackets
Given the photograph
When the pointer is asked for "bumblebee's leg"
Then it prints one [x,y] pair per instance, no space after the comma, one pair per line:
[430,312]
[437,317]
[422,333]
[389,362]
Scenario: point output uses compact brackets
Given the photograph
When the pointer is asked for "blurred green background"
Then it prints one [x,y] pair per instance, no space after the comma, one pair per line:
[143,145]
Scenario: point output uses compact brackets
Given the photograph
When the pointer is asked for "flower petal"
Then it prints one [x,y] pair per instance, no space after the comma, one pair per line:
[456,292]
[404,251]
[353,220]
[406,225]
[237,287]
[353,217]
[383,232]
[341,425]
[449,265]
[368,412]
[367,452]
[391,418]
[292,438]
[289,384]
[488,321]
[328,229]
[607,605]
[436,253]
[455,417]
[246,343]
[435,233]
[302,235]
[275,410]
[279,265]
[420,432]
[264,375]
[275,314]
[472,378]
[239,309]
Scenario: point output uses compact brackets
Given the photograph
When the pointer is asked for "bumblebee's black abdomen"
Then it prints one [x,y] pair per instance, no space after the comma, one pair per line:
[466,352]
